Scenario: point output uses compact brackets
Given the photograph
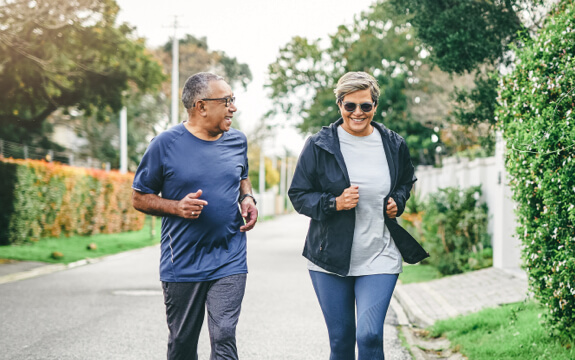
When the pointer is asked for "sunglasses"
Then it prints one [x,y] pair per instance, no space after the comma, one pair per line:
[365,107]
[228,100]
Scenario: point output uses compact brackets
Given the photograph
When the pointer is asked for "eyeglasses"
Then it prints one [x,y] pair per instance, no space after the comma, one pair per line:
[229,100]
[365,107]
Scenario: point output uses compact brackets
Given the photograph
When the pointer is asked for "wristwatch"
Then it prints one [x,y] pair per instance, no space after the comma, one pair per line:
[333,203]
[243,197]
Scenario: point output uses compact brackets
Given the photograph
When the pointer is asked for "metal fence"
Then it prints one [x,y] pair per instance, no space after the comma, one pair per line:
[14,150]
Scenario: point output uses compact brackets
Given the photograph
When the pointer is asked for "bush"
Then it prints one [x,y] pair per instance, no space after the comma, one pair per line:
[411,219]
[454,230]
[536,103]
[41,199]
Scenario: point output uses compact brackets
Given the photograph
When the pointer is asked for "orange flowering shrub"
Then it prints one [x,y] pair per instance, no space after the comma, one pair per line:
[40,199]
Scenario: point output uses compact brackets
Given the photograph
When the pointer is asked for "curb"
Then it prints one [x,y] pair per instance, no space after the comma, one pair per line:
[404,326]
[414,313]
[402,319]
[52,268]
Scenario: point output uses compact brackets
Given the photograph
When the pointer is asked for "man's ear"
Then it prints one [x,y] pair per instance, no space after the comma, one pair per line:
[201,107]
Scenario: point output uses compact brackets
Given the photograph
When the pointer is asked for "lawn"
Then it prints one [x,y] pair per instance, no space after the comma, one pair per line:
[418,273]
[508,332]
[76,248]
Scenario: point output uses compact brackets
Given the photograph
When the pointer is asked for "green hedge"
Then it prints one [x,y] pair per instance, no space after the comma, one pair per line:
[41,199]
[536,112]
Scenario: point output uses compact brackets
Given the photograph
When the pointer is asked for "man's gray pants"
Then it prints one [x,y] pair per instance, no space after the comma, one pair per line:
[185,312]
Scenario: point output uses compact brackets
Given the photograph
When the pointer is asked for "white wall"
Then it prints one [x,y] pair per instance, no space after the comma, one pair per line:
[490,174]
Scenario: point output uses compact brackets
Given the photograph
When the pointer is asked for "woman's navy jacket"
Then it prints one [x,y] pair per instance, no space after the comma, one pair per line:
[321,176]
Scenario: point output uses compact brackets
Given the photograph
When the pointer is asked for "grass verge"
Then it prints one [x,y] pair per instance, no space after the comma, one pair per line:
[508,332]
[418,273]
[76,248]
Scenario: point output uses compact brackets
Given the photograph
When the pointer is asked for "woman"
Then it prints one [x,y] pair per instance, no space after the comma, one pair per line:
[353,179]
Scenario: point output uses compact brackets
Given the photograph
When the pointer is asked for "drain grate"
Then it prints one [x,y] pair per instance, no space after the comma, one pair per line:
[138,292]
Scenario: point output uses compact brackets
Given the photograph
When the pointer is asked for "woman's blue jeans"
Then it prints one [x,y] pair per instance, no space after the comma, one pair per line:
[338,297]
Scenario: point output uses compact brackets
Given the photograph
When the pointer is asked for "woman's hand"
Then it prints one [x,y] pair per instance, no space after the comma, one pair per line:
[348,199]
[391,208]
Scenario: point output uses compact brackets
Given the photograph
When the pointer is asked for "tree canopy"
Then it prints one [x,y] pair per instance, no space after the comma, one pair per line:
[149,113]
[60,54]
[379,42]
[195,56]
[472,37]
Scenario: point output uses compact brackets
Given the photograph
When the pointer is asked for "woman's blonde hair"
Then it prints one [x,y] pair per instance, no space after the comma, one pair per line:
[354,81]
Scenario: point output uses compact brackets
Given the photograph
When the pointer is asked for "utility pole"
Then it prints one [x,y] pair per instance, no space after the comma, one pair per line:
[175,74]
[124,140]
[283,181]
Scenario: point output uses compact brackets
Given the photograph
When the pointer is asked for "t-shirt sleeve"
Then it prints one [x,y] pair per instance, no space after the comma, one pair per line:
[149,176]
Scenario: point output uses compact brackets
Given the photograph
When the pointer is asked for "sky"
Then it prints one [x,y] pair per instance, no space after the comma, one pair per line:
[253,31]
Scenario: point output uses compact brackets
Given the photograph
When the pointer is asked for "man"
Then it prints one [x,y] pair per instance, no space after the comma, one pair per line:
[200,167]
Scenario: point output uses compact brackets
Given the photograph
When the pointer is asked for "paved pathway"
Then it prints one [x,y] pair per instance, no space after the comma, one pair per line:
[113,309]
[461,294]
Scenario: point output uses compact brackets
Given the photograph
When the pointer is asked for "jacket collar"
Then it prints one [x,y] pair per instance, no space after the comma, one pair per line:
[328,140]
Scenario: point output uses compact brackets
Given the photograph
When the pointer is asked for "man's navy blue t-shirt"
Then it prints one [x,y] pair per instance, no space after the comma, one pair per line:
[177,163]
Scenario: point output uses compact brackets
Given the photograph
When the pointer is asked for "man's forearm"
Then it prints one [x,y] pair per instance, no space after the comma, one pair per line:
[152,204]
[246,187]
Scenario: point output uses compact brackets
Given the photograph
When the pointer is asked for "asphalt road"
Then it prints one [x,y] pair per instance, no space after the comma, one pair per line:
[114,309]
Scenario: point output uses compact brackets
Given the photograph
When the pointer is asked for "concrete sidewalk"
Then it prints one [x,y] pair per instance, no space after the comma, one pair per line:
[461,294]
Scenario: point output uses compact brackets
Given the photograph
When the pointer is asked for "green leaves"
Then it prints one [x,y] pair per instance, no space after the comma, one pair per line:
[380,42]
[463,34]
[46,199]
[535,112]
[472,37]
[454,227]
[73,57]
[301,67]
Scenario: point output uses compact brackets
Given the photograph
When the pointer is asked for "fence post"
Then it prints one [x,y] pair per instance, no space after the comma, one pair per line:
[25,151]
[283,182]
[1,148]
[71,159]
[262,180]
[506,244]
[50,155]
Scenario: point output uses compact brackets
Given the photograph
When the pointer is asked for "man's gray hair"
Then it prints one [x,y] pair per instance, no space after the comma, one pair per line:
[197,87]
[355,81]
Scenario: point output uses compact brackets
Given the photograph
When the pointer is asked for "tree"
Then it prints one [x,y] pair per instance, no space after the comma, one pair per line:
[472,37]
[379,42]
[66,54]
[149,113]
[195,56]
